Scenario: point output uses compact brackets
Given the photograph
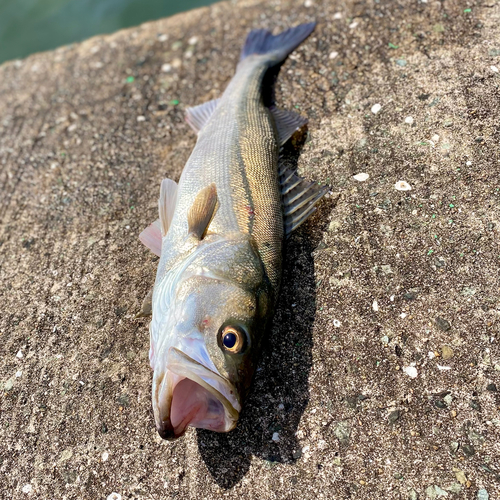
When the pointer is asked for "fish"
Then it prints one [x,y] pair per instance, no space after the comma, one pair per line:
[220,237]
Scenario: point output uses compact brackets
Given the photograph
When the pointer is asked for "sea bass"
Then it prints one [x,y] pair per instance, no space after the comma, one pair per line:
[219,238]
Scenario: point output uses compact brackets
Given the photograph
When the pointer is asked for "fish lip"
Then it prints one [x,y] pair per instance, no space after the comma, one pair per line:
[184,366]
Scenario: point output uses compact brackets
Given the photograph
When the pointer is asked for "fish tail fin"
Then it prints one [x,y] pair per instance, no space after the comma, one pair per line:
[274,49]
[279,46]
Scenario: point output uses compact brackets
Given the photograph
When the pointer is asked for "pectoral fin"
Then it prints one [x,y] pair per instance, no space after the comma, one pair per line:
[202,211]
[151,237]
[147,306]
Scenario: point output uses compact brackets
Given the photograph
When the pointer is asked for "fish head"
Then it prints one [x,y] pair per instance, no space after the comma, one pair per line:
[209,315]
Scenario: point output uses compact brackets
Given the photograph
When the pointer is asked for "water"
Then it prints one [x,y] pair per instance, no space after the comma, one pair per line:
[28,26]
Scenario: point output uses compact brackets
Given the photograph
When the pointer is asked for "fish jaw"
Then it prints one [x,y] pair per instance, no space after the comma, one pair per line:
[190,394]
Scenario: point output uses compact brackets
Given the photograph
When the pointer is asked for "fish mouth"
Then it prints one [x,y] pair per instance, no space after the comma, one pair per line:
[188,394]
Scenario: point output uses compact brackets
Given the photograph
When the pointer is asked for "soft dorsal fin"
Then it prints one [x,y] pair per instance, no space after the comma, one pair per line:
[166,204]
[151,237]
[287,122]
[299,198]
[199,115]
[202,211]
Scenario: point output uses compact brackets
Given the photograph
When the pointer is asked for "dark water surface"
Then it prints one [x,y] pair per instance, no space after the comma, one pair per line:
[28,26]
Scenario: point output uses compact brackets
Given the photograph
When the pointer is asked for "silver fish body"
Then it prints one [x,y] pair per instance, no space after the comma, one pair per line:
[221,248]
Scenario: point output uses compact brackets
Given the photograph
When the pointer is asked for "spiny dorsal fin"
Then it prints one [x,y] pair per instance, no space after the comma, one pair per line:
[287,122]
[202,211]
[199,115]
[147,306]
[299,198]
[151,237]
[166,204]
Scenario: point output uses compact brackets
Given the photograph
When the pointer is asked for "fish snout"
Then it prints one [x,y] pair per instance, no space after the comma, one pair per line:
[188,394]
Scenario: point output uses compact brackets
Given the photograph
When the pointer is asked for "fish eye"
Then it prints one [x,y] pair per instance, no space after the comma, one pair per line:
[232,339]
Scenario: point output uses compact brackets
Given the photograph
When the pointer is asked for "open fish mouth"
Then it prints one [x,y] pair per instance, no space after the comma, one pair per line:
[188,394]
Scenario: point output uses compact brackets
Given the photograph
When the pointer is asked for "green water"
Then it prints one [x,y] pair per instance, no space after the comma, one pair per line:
[28,26]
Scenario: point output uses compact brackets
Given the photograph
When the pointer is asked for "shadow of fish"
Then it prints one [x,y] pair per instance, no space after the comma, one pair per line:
[219,238]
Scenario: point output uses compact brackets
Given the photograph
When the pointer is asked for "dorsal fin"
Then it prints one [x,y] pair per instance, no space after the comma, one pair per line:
[199,115]
[166,204]
[299,198]
[287,122]
[202,211]
[151,237]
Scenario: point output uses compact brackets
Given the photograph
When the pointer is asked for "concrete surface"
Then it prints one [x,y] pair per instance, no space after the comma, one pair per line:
[380,376]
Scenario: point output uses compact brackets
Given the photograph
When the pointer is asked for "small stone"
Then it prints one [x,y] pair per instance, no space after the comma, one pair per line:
[394,416]
[193,40]
[385,340]
[442,324]
[19,354]
[333,55]
[276,437]
[375,306]
[454,447]
[27,488]
[412,494]
[448,399]
[166,68]
[454,488]
[105,456]
[460,475]
[342,432]
[482,494]
[8,385]
[494,69]
[434,492]
[114,496]
[402,63]
[386,269]
[336,323]
[475,405]
[141,118]
[446,352]
[376,108]
[308,3]
[402,186]
[361,177]
[409,120]
[334,225]
[468,450]
[410,296]
[411,371]
[491,388]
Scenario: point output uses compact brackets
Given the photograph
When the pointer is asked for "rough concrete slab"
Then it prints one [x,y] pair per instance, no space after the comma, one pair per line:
[381,373]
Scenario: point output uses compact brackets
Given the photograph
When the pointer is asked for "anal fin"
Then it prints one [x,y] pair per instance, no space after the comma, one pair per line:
[287,122]
[199,115]
[202,211]
[299,198]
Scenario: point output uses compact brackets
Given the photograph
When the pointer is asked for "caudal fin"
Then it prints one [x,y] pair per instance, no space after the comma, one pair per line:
[277,46]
